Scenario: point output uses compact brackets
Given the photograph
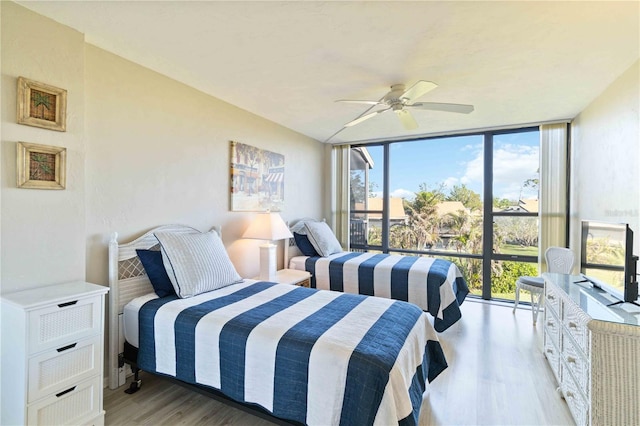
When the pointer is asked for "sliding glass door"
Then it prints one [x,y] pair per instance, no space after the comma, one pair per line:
[470,199]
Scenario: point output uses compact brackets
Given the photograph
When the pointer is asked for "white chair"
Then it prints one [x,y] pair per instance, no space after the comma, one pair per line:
[559,260]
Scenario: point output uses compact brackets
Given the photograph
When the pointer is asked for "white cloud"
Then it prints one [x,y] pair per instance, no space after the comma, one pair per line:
[403,193]
[475,170]
[512,166]
[478,147]
[450,182]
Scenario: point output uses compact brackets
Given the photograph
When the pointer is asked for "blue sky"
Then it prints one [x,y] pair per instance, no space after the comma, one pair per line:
[459,160]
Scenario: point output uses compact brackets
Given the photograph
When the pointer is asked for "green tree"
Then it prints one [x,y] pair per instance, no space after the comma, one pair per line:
[375,236]
[502,203]
[505,275]
[422,215]
[402,236]
[372,189]
[466,196]
[466,229]
[520,231]
[532,183]
[356,186]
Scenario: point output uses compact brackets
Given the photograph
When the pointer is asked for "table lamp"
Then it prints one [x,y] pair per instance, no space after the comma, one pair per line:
[270,227]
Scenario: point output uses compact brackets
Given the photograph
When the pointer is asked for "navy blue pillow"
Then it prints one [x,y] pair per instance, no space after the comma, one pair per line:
[305,246]
[153,266]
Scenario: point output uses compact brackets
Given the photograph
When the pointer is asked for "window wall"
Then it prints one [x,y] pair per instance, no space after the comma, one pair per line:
[471,199]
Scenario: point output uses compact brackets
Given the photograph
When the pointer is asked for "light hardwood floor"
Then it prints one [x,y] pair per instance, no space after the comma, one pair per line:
[497,375]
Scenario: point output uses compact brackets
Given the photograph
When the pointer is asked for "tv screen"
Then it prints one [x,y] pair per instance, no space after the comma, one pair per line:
[603,253]
[607,256]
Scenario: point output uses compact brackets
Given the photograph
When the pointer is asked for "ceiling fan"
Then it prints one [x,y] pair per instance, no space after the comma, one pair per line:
[400,98]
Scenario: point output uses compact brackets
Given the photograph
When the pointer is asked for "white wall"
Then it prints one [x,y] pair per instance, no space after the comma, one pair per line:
[142,150]
[42,231]
[158,153]
[605,157]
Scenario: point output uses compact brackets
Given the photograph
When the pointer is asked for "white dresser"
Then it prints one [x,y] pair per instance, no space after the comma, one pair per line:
[52,355]
[593,350]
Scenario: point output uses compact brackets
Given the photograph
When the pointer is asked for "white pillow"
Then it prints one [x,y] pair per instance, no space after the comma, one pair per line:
[322,239]
[196,262]
[299,228]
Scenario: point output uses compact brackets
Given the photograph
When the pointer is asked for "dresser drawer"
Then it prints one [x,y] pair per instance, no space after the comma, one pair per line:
[64,323]
[552,354]
[575,322]
[577,364]
[76,405]
[552,299]
[575,400]
[552,327]
[59,369]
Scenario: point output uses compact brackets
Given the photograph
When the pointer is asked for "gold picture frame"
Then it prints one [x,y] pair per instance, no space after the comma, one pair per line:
[41,166]
[42,105]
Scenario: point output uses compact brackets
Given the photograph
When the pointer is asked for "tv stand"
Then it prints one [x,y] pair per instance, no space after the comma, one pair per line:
[620,302]
[593,350]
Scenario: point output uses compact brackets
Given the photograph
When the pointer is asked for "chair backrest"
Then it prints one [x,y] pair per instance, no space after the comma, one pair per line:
[559,260]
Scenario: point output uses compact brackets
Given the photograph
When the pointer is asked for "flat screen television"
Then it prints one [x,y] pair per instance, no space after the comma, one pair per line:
[607,256]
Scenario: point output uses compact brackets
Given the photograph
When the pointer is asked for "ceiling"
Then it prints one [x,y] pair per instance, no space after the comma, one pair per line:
[517,62]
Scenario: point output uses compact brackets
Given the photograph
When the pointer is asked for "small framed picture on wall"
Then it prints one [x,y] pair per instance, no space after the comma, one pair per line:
[41,166]
[41,105]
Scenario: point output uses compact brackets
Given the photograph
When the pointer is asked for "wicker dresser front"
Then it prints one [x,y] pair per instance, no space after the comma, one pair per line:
[593,351]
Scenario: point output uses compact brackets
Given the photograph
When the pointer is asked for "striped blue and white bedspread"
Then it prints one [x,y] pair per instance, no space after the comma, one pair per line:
[435,285]
[310,356]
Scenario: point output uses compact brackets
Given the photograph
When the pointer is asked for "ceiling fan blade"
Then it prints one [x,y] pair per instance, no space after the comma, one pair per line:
[406,119]
[436,106]
[350,101]
[365,117]
[418,89]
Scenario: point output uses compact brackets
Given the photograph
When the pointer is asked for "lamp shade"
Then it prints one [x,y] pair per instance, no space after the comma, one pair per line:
[268,226]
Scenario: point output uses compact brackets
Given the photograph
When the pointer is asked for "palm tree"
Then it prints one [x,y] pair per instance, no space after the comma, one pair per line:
[422,216]
[460,224]
[402,236]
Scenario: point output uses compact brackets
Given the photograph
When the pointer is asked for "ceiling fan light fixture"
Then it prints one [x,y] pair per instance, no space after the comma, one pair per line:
[399,98]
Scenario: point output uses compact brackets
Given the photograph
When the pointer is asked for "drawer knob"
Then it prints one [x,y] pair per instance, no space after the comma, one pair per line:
[551,297]
[549,350]
[570,394]
[571,360]
[65,391]
[62,305]
[64,348]
[573,324]
[550,323]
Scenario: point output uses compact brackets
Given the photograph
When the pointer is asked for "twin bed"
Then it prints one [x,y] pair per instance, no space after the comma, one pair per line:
[434,285]
[296,355]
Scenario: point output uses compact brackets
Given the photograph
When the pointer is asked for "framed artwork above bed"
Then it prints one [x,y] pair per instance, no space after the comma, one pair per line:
[257,179]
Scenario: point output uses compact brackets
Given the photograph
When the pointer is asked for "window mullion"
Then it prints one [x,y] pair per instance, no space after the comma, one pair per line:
[487,231]
[385,200]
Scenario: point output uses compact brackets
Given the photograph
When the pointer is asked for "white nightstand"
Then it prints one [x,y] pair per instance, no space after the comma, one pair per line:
[52,340]
[293,277]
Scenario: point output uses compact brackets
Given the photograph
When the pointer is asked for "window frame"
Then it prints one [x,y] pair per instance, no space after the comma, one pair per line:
[487,256]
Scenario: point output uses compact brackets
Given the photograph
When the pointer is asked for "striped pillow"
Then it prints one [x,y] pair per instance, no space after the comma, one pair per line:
[196,262]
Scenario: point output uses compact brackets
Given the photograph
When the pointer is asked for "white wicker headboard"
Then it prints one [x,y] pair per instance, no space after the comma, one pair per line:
[128,280]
